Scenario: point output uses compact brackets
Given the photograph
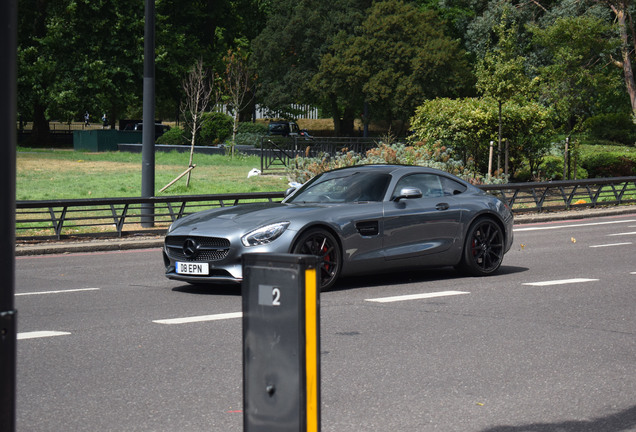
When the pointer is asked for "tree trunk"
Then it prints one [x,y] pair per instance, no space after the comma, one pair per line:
[620,10]
[40,131]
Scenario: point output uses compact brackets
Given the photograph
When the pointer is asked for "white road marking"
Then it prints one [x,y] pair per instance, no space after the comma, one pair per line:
[57,292]
[569,226]
[560,282]
[40,334]
[622,234]
[416,296]
[611,244]
[201,318]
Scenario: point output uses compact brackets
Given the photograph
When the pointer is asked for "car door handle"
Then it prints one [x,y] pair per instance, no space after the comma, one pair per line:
[442,206]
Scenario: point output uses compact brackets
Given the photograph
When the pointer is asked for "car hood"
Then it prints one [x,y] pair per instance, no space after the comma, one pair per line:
[246,216]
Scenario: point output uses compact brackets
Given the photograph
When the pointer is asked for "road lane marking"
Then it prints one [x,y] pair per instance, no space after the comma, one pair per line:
[570,226]
[40,334]
[201,318]
[611,244]
[416,296]
[57,292]
[622,234]
[560,282]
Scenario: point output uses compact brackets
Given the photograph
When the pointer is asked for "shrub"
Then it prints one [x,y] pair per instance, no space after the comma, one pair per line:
[610,164]
[617,127]
[175,136]
[248,138]
[253,128]
[216,127]
[434,156]
[552,169]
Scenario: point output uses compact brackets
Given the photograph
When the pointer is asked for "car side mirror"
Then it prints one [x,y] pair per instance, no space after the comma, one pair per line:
[408,193]
[290,191]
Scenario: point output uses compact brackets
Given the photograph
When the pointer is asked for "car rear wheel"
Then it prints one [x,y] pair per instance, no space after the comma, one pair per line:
[321,243]
[484,248]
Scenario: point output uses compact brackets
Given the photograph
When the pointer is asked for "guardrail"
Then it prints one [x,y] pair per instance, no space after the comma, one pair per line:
[119,216]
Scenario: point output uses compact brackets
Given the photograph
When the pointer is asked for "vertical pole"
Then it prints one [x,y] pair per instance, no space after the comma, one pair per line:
[566,159]
[8,136]
[490,159]
[148,132]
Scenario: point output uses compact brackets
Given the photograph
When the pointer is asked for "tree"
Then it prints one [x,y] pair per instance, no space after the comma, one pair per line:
[620,8]
[500,73]
[77,56]
[467,126]
[396,59]
[577,71]
[287,53]
[238,85]
[198,90]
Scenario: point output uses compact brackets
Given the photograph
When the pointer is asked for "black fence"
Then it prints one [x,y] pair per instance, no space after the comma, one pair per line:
[279,152]
[59,219]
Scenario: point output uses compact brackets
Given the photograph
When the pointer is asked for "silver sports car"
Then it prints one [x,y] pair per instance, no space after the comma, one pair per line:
[359,220]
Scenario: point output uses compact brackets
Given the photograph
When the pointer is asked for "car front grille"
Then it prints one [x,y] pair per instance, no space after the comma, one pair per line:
[207,248]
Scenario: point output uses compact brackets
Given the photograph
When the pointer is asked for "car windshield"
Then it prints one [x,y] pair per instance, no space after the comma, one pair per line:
[343,188]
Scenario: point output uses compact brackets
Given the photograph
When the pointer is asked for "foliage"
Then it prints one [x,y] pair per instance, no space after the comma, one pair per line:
[174,136]
[551,168]
[610,164]
[252,127]
[434,156]
[216,127]
[288,51]
[396,59]
[466,126]
[617,127]
[238,84]
[578,71]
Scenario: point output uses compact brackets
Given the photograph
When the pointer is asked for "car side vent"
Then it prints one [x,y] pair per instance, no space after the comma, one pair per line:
[368,228]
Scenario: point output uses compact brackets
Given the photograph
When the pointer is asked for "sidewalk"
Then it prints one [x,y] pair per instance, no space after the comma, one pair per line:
[150,242]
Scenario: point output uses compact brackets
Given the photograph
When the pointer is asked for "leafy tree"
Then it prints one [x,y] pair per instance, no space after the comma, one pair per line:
[468,125]
[500,73]
[396,59]
[288,52]
[76,56]
[578,71]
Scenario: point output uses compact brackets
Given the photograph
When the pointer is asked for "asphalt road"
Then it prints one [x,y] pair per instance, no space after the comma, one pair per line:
[548,344]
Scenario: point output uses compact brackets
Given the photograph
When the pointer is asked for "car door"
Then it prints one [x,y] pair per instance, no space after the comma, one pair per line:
[419,227]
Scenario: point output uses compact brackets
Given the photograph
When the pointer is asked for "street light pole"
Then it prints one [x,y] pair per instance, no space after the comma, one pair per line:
[148,131]
[8,315]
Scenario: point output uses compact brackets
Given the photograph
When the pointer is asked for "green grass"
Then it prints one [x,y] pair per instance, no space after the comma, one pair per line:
[67,174]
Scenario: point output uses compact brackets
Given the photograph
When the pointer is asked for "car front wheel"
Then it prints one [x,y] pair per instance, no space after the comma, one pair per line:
[484,248]
[321,243]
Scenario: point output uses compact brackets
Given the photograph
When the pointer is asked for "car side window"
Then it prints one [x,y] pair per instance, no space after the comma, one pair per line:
[451,187]
[429,184]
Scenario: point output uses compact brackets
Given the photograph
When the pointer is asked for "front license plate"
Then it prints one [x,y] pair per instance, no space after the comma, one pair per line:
[193,268]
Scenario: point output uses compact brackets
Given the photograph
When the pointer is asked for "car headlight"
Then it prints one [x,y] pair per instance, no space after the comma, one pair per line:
[264,234]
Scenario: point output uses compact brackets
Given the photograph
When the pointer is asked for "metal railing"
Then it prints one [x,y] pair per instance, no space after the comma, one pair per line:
[117,216]
[565,194]
[279,152]
[120,216]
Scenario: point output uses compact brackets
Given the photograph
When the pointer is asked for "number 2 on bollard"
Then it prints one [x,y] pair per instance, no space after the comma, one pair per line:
[269,295]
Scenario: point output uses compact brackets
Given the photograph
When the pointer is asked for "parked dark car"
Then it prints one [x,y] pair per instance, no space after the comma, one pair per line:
[286,128]
[160,129]
[359,220]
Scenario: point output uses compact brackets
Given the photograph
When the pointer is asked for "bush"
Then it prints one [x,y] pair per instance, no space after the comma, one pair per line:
[253,128]
[552,169]
[175,136]
[610,164]
[617,127]
[247,138]
[216,127]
